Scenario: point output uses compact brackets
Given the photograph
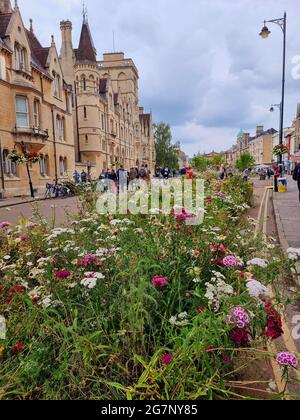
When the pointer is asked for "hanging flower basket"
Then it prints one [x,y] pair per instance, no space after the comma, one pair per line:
[280,150]
[20,159]
[17,158]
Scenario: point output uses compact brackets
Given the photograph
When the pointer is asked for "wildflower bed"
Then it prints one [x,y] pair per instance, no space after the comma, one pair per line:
[136,307]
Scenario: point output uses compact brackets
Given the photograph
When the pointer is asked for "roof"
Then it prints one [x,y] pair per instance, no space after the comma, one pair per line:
[86,51]
[271,131]
[4,22]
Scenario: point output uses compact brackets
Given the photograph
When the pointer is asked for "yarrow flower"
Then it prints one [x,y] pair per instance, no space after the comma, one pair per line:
[239,317]
[258,262]
[159,281]
[167,359]
[230,261]
[287,359]
[256,289]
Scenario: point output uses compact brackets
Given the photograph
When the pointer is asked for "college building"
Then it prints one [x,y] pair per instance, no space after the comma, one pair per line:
[74,111]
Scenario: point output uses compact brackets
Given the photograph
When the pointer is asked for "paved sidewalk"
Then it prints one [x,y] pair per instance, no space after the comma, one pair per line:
[287,212]
[16,201]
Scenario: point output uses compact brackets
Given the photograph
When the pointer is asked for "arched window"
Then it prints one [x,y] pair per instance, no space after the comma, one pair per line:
[83,84]
[84,112]
[86,139]
[63,166]
[60,127]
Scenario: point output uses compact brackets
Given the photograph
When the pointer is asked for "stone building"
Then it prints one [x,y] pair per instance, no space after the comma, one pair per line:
[35,106]
[74,111]
[261,146]
[110,127]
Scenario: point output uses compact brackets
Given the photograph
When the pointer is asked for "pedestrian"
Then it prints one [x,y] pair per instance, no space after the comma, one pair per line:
[122,178]
[166,173]
[76,177]
[83,177]
[296,176]
[143,173]
[246,174]
[222,173]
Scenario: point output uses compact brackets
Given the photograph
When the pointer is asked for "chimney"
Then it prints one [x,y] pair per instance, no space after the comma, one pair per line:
[67,52]
[5,6]
[259,130]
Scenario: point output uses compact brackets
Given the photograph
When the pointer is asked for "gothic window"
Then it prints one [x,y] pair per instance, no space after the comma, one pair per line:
[36,113]
[22,112]
[20,57]
[56,85]
[44,165]
[60,127]
[63,166]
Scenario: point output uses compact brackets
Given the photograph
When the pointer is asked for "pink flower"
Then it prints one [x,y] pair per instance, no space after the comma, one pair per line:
[167,359]
[181,217]
[287,359]
[89,259]
[230,261]
[239,317]
[63,274]
[159,281]
[4,225]
[226,360]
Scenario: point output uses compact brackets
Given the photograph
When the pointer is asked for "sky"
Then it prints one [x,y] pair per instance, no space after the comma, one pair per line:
[203,67]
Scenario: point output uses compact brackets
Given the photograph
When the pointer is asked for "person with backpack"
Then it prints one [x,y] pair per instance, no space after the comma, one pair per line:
[296,176]
[166,173]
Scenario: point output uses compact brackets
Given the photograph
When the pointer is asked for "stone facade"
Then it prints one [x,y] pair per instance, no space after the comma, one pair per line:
[74,111]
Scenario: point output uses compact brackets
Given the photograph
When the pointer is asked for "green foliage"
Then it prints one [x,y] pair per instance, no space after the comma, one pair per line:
[166,152]
[200,163]
[245,161]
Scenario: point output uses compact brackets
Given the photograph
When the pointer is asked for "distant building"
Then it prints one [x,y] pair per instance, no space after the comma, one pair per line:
[261,146]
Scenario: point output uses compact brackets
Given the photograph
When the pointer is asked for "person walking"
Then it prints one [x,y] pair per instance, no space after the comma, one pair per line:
[166,173]
[296,176]
[76,177]
[122,177]
[83,177]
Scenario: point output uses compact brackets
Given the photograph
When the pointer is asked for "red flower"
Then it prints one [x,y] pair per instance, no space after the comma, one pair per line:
[226,360]
[201,309]
[17,348]
[1,288]
[167,359]
[16,289]
[240,337]
[159,281]
[274,324]
[63,274]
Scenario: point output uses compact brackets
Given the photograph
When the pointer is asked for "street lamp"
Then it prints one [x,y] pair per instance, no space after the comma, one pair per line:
[25,153]
[265,32]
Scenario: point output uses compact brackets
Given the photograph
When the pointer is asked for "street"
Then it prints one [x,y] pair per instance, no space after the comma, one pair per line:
[55,211]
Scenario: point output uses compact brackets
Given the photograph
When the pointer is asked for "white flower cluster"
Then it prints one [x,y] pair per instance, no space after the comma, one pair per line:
[90,280]
[216,290]
[180,320]
[293,254]
[258,262]
[58,232]
[257,289]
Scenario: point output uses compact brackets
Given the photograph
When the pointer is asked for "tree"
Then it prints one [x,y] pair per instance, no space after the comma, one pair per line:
[245,161]
[217,160]
[200,163]
[166,152]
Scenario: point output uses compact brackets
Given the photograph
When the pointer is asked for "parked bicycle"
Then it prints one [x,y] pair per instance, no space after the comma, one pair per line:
[58,190]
